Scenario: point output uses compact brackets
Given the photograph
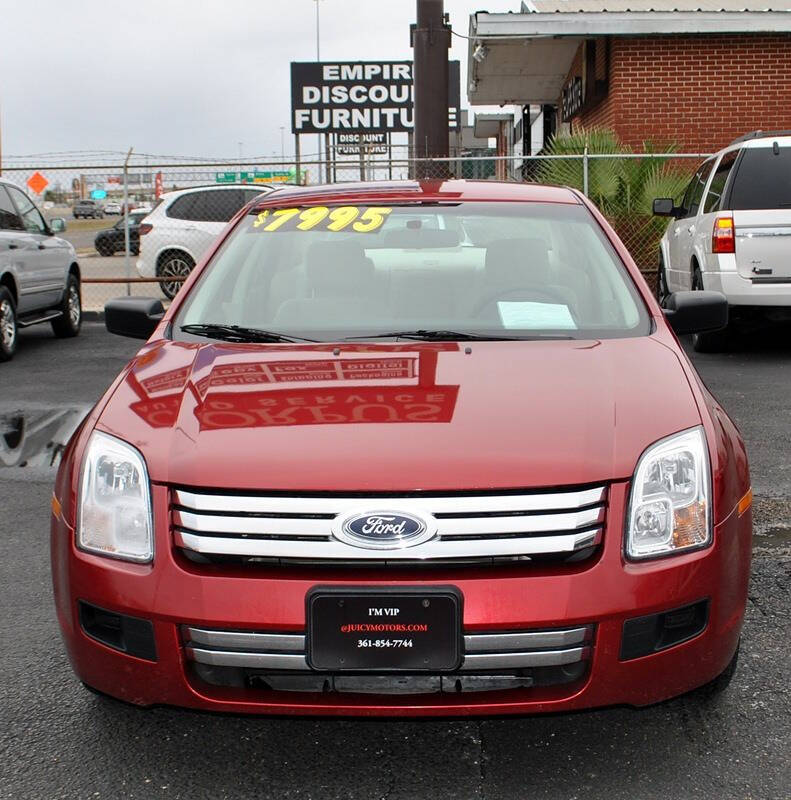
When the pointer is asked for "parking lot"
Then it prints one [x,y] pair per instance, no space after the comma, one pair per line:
[81,233]
[58,740]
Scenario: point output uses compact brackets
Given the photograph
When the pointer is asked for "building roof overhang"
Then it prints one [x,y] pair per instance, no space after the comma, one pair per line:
[518,59]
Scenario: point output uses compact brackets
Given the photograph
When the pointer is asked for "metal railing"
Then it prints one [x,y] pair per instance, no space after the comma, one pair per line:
[621,184]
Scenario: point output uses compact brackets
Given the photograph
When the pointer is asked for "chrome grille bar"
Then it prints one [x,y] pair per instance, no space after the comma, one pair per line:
[479,526]
[484,651]
[291,505]
[339,551]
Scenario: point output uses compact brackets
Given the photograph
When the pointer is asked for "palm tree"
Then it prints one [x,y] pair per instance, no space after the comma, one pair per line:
[622,186]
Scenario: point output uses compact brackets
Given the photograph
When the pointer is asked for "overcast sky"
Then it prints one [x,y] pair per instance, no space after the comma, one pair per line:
[172,77]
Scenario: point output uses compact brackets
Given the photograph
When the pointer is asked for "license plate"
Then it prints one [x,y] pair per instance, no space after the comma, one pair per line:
[384,630]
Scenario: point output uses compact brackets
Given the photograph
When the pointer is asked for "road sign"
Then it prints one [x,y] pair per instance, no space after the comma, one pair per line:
[37,183]
[271,176]
[265,176]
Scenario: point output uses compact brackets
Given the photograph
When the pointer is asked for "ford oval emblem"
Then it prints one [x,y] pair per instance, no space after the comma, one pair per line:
[384,530]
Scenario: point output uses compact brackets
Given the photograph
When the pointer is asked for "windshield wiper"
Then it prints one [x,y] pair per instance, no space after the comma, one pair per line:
[450,336]
[239,333]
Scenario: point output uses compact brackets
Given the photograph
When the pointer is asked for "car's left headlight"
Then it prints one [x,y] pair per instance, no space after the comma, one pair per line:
[114,511]
[670,504]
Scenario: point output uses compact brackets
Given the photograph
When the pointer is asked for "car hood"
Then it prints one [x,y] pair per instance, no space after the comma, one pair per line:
[399,417]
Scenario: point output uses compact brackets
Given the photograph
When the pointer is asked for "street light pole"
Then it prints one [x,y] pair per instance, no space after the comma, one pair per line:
[282,144]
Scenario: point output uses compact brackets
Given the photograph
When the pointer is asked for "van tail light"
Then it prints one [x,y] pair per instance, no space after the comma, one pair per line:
[145,227]
[723,239]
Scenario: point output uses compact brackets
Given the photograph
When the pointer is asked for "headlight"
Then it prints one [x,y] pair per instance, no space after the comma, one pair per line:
[114,512]
[670,506]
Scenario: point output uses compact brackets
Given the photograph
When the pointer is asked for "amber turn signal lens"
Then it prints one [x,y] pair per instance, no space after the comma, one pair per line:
[745,502]
[690,525]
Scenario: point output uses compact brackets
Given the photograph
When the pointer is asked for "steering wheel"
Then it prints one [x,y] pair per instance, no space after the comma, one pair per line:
[544,294]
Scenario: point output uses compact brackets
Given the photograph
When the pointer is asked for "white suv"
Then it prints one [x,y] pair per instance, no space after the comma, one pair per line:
[731,232]
[175,235]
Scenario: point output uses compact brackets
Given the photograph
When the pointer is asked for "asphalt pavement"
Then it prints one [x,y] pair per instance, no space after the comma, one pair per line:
[58,740]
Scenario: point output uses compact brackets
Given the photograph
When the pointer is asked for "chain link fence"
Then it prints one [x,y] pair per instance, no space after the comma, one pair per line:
[120,251]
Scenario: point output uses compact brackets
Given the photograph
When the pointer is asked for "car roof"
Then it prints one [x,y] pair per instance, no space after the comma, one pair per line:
[430,190]
[767,141]
[210,187]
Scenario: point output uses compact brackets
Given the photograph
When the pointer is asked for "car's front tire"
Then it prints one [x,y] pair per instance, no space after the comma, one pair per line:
[662,292]
[69,322]
[8,327]
[717,686]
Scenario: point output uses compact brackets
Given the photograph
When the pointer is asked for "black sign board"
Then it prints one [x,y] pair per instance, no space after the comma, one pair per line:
[350,143]
[361,96]
[572,99]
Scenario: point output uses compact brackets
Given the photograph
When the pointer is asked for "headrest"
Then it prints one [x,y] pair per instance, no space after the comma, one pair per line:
[418,238]
[338,267]
[516,263]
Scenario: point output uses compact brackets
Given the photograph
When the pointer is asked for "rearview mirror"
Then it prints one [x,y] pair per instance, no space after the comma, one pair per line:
[664,207]
[136,317]
[57,224]
[696,312]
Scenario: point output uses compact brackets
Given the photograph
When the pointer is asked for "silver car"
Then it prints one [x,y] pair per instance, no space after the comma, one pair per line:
[39,274]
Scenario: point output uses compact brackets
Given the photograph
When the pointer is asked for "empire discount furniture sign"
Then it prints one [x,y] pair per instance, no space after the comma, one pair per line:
[361,96]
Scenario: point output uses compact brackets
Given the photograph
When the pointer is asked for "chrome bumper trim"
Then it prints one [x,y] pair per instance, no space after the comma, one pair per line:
[484,652]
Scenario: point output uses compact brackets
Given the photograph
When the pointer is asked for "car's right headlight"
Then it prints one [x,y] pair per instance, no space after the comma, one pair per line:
[114,511]
[670,504]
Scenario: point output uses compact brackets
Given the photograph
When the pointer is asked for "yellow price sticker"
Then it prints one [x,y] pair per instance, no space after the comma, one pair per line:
[353,218]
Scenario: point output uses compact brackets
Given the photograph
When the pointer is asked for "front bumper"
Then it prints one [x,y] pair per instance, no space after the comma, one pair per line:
[601,593]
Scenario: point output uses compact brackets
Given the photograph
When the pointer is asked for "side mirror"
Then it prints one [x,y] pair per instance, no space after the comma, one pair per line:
[696,312]
[136,317]
[57,224]
[664,207]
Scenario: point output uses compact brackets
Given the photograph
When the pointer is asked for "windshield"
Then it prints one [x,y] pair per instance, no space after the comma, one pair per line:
[495,270]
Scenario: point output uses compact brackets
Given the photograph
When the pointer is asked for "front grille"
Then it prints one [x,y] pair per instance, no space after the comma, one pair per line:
[470,528]
[492,661]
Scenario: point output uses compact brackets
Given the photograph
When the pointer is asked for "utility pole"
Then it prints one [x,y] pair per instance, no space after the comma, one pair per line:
[282,144]
[1,140]
[431,42]
[318,58]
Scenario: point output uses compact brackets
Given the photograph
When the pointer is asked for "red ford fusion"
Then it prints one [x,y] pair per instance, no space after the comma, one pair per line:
[419,448]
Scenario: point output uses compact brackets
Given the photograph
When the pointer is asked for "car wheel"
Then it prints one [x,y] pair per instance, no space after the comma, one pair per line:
[104,249]
[69,322]
[713,341]
[662,292]
[717,686]
[176,265]
[8,329]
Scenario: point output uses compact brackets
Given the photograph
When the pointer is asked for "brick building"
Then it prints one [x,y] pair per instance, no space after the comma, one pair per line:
[695,73]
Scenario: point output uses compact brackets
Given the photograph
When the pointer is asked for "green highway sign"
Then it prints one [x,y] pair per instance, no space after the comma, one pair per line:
[258,176]
[271,176]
